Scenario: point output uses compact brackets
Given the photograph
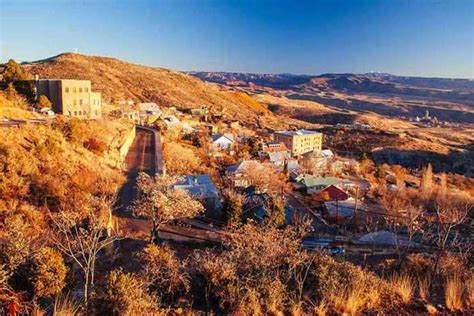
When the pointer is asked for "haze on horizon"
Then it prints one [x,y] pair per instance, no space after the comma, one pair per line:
[408,37]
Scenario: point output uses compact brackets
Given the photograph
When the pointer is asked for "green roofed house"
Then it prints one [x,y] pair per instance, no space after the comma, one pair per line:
[310,183]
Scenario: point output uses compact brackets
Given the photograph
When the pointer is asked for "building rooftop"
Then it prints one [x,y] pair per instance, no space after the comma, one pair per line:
[244,166]
[216,137]
[322,182]
[298,132]
[200,185]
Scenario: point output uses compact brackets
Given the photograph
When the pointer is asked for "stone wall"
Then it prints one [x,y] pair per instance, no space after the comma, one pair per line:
[123,150]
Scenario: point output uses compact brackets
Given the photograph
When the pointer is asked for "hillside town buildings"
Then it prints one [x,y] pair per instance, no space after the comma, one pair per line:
[71,97]
[300,141]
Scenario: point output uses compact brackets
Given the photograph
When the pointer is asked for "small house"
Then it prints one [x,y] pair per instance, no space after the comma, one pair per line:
[311,184]
[202,188]
[238,173]
[149,108]
[222,142]
[344,209]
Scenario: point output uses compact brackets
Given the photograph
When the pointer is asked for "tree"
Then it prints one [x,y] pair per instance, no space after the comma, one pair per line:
[16,249]
[49,272]
[258,176]
[275,209]
[161,203]
[426,182]
[13,72]
[232,208]
[451,212]
[43,102]
[180,159]
[13,96]
[81,238]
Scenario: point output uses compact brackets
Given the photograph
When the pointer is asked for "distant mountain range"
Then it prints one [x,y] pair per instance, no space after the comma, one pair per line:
[461,90]
[380,93]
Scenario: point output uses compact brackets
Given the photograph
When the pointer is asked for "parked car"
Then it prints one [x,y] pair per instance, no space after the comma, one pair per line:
[47,111]
[335,250]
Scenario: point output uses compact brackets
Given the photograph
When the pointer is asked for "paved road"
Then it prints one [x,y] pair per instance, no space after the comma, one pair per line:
[140,158]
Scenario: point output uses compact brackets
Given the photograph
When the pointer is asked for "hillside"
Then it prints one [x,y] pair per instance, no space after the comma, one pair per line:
[382,94]
[117,79]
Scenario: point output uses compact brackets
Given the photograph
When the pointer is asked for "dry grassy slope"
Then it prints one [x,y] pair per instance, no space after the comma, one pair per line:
[119,79]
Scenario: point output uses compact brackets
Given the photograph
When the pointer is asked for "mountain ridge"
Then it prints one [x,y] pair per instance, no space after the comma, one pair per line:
[117,79]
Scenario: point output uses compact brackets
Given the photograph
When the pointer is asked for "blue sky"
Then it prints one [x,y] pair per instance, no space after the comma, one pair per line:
[424,38]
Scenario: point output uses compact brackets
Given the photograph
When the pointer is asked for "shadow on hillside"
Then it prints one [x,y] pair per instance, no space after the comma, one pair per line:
[312,116]
[455,162]
[387,110]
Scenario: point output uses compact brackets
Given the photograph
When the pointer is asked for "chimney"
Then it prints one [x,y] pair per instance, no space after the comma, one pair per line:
[37,77]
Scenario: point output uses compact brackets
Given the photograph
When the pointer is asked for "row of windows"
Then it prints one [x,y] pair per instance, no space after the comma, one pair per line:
[74,89]
[94,102]
[79,113]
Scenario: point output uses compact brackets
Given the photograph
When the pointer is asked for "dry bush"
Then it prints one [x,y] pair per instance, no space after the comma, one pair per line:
[66,305]
[263,270]
[125,294]
[403,285]
[321,309]
[424,284]
[346,284]
[420,265]
[470,291]
[349,301]
[43,168]
[259,270]
[48,272]
[163,272]
[453,293]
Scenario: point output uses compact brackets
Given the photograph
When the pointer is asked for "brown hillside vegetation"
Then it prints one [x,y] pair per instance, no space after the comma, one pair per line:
[117,79]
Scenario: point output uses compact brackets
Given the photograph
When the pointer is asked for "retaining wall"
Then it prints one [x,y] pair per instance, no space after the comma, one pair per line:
[123,151]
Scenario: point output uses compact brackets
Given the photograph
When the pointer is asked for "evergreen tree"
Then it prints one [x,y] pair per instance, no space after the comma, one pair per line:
[13,72]
[232,208]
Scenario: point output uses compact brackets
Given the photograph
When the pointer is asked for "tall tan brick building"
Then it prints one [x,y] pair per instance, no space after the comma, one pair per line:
[71,97]
[301,141]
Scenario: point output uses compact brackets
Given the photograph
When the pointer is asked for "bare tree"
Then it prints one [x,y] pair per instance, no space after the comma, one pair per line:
[160,203]
[81,238]
[450,215]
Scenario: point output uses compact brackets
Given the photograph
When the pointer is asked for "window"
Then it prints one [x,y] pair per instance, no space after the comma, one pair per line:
[96,112]
[67,90]
[80,101]
[75,113]
[74,89]
[80,90]
[74,101]
[86,89]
